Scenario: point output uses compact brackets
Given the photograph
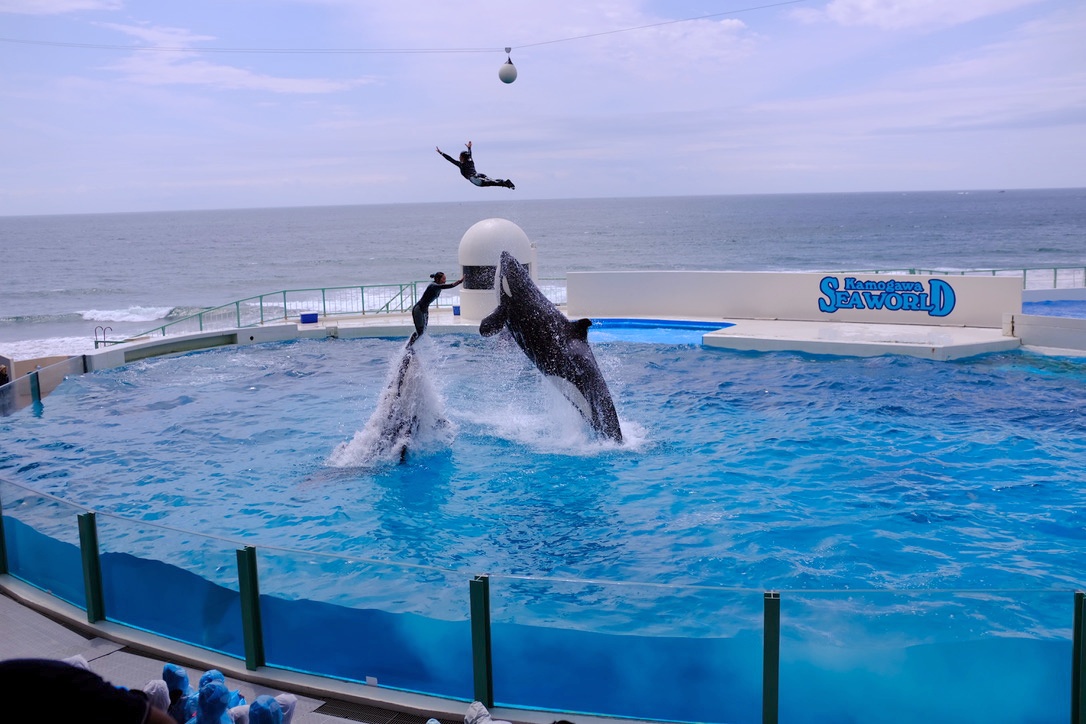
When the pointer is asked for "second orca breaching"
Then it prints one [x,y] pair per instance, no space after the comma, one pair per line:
[557,346]
[405,412]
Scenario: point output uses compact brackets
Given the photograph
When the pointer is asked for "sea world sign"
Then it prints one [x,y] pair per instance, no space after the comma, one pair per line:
[886,294]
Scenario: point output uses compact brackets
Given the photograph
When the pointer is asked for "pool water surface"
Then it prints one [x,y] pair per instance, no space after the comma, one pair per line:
[779,470]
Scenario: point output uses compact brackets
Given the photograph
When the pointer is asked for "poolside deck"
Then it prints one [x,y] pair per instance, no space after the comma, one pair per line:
[756,335]
[861,340]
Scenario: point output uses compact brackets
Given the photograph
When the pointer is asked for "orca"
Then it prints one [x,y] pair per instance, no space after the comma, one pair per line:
[555,345]
[402,413]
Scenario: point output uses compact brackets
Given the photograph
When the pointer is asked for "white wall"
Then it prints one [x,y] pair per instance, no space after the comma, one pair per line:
[1059,333]
[978,301]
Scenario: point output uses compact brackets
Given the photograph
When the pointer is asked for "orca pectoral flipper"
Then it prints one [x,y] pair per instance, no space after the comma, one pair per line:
[495,321]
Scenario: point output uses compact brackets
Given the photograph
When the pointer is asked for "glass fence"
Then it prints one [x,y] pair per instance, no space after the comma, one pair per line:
[647,651]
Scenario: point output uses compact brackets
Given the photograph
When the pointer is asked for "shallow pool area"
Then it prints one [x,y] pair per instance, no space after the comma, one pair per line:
[899,504]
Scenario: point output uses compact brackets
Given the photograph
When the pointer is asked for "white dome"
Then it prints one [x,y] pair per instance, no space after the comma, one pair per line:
[484,242]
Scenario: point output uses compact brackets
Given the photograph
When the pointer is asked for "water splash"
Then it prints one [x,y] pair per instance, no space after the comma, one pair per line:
[409,418]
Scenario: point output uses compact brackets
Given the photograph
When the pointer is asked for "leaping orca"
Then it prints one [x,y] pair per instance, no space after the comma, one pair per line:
[557,346]
[401,414]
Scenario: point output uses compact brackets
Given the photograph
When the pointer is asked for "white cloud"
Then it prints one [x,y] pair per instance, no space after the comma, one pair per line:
[56,7]
[171,56]
[905,14]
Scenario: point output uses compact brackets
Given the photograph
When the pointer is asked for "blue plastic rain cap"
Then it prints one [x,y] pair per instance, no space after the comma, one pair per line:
[265,710]
[176,678]
[211,707]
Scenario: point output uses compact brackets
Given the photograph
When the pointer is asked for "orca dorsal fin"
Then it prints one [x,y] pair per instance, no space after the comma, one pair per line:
[494,322]
[580,329]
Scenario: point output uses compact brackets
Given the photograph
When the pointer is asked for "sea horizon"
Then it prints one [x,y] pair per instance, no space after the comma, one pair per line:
[70,274]
[979,190]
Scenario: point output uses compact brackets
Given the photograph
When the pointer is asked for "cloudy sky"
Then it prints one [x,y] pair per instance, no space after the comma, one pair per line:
[134,105]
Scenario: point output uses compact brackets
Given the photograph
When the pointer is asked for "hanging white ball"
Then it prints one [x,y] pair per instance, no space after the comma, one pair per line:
[508,72]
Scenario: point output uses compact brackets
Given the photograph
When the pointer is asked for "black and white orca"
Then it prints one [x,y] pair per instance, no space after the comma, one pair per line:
[554,344]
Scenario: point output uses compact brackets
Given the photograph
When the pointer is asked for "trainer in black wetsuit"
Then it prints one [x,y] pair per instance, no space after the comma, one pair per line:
[467,170]
[420,313]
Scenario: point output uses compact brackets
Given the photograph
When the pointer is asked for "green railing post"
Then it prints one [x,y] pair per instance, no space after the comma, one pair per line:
[92,567]
[3,544]
[482,664]
[252,628]
[771,657]
[1078,661]
[35,387]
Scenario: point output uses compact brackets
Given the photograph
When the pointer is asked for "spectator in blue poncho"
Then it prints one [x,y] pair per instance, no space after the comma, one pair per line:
[212,704]
[235,698]
[182,695]
[265,710]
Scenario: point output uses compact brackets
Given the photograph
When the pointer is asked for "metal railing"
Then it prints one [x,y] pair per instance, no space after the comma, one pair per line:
[291,304]
[1032,278]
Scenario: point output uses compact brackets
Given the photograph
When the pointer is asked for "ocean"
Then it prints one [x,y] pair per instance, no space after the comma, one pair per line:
[64,276]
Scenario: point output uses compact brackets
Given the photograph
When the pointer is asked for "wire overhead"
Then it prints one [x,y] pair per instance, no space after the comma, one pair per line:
[379,51]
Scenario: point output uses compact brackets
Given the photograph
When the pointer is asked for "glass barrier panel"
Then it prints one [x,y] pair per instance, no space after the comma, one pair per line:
[180,585]
[629,650]
[41,534]
[10,396]
[406,627]
[16,395]
[937,657]
[50,377]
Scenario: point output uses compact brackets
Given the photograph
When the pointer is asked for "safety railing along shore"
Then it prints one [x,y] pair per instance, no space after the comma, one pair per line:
[325,302]
[1032,278]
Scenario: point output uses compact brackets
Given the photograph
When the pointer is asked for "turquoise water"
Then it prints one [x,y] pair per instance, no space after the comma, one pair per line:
[757,471]
[924,520]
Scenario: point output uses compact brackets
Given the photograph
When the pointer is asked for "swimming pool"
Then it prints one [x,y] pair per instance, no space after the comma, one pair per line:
[888,481]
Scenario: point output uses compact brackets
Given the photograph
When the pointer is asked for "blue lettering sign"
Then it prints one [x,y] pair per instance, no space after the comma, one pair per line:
[937,301]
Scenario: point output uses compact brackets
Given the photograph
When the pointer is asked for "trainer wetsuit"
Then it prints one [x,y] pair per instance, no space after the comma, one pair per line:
[467,170]
[420,313]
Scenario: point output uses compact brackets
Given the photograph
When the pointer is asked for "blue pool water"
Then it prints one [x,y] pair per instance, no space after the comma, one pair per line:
[779,471]
[651,331]
[924,520]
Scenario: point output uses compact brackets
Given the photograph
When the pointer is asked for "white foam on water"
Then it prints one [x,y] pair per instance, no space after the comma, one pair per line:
[47,347]
[409,419]
[130,314]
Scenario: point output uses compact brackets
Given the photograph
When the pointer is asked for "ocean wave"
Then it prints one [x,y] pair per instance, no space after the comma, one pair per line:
[47,347]
[131,314]
[43,318]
